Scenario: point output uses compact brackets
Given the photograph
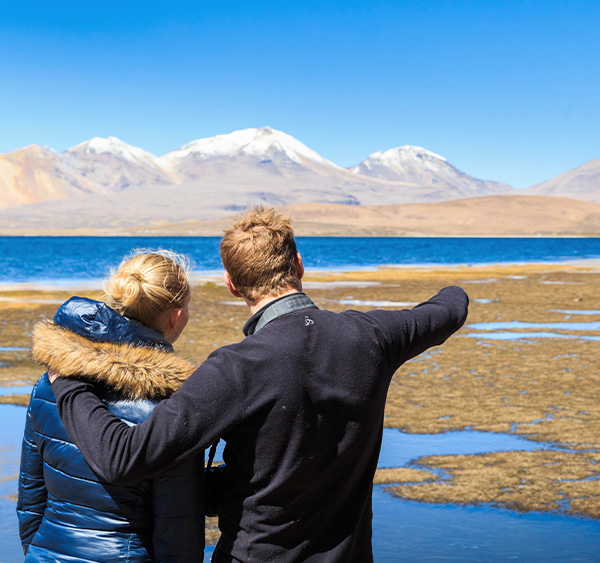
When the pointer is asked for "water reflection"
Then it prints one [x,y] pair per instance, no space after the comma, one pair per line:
[407,531]
[12,422]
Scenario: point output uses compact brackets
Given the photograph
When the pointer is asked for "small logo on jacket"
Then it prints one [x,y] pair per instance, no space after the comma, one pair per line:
[308,321]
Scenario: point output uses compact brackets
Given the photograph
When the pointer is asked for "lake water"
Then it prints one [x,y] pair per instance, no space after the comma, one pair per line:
[77,259]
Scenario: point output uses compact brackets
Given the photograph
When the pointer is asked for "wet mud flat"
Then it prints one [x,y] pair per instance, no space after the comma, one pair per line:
[526,364]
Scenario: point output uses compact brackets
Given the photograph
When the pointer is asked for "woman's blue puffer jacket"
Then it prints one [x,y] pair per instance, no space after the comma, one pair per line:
[65,512]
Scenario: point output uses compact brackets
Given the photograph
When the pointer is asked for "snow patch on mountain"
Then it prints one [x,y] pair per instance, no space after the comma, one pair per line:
[261,142]
[398,159]
[116,147]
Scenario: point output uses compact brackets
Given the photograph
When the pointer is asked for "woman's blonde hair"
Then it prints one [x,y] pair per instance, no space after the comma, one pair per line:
[147,283]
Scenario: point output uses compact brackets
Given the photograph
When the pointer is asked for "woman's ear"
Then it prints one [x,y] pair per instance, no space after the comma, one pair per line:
[230,285]
[175,318]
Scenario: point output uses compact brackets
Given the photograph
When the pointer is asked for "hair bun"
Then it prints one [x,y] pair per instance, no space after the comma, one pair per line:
[126,288]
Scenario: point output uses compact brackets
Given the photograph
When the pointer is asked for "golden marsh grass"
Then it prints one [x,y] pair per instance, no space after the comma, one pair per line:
[544,389]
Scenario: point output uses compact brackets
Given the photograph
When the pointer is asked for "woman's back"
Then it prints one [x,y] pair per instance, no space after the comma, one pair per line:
[65,512]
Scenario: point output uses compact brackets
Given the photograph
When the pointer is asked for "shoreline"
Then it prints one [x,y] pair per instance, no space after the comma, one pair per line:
[200,277]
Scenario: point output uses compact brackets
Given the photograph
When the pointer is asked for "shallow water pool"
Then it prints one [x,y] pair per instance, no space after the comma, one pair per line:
[363,303]
[525,335]
[16,390]
[504,330]
[576,311]
[519,325]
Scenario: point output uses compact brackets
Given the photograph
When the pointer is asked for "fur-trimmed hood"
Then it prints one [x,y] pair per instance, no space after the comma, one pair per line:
[135,371]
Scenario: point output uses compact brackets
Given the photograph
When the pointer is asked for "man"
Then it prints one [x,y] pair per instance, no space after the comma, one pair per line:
[299,402]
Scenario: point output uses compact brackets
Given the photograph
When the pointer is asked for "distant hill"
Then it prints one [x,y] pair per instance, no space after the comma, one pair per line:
[582,182]
[36,174]
[504,215]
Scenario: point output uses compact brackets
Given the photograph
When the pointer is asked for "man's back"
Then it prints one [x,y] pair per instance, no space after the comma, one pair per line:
[302,460]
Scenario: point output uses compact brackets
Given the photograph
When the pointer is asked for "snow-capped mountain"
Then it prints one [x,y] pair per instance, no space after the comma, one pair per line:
[419,166]
[113,165]
[582,182]
[259,143]
[258,148]
[117,148]
[398,163]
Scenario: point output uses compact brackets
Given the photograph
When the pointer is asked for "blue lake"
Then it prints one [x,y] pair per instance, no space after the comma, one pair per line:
[60,259]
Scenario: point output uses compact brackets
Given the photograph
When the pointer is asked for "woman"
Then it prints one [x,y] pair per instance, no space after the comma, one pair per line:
[65,512]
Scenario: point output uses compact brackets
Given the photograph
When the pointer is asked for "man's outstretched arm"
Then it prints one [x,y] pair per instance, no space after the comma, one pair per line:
[412,331]
[207,404]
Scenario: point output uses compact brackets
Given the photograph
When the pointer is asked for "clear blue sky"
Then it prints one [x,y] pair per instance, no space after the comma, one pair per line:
[505,90]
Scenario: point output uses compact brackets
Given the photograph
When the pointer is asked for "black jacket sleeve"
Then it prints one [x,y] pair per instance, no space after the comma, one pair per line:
[407,333]
[178,533]
[205,406]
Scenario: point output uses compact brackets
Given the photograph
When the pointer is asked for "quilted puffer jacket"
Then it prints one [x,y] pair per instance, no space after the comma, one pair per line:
[65,512]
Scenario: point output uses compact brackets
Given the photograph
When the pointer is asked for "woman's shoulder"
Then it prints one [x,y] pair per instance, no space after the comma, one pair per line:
[42,390]
[131,411]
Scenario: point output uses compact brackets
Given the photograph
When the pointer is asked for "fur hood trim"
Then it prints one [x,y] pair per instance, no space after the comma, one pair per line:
[136,372]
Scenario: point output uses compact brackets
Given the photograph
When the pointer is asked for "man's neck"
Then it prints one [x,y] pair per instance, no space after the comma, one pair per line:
[258,305]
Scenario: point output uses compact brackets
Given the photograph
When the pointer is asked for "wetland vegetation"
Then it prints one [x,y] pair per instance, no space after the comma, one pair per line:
[545,389]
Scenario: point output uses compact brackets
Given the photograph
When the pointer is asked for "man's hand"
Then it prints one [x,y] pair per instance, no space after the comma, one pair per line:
[52,375]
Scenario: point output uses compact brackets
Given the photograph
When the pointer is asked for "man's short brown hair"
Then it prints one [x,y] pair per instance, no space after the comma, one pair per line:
[259,254]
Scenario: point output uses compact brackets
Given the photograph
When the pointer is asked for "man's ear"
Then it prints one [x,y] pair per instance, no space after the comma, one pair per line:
[230,285]
[299,266]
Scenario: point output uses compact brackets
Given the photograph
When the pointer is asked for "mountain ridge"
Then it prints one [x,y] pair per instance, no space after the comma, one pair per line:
[106,166]
[106,182]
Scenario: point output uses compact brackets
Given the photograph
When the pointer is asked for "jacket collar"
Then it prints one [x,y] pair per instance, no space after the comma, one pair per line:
[96,321]
[274,309]
[134,370]
[154,338]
